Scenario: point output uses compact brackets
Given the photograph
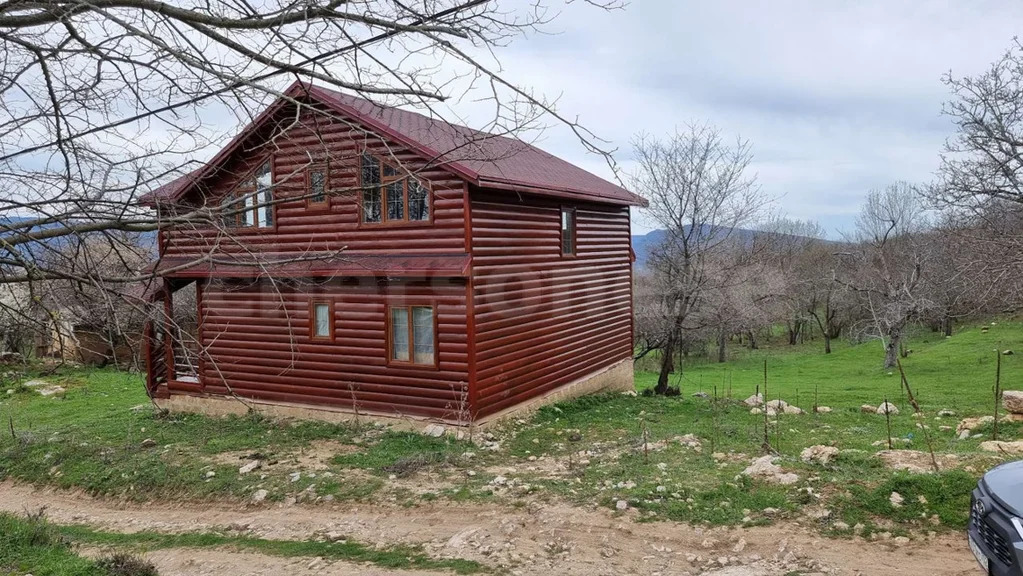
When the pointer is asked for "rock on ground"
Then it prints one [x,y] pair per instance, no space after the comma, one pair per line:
[777,404]
[868,409]
[1013,401]
[823,409]
[755,400]
[820,454]
[764,468]
[896,500]
[792,410]
[434,430]
[968,424]
[888,408]
[1002,447]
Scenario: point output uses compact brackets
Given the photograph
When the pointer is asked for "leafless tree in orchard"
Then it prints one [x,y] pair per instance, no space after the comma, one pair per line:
[746,295]
[981,172]
[787,242]
[984,160]
[887,264]
[700,193]
[102,102]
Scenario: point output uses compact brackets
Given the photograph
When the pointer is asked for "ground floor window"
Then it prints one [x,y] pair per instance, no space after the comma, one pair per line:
[412,334]
[321,320]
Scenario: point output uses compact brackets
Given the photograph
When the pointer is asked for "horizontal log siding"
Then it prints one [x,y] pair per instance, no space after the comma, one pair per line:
[257,340]
[300,229]
[543,320]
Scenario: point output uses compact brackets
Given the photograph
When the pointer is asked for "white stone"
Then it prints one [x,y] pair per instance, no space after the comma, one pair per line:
[295,476]
[896,500]
[823,410]
[765,468]
[210,474]
[259,495]
[621,505]
[250,467]
[820,454]
[755,400]
[777,404]
[739,546]
[887,408]
[434,430]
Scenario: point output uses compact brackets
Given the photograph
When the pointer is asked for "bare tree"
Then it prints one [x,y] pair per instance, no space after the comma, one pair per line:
[700,194]
[887,263]
[103,102]
[984,160]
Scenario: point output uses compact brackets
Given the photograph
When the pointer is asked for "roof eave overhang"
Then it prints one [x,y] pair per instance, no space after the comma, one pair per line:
[565,193]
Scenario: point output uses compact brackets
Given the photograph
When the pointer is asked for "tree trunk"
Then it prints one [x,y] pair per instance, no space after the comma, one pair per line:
[753,341]
[891,350]
[794,329]
[947,325]
[721,348]
[667,366]
[827,343]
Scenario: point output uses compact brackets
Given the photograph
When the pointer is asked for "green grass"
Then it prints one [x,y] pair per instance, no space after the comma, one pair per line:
[955,373]
[33,545]
[583,451]
[392,557]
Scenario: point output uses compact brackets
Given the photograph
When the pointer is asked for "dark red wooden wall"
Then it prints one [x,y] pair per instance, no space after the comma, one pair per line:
[541,319]
[312,140]
[257,341]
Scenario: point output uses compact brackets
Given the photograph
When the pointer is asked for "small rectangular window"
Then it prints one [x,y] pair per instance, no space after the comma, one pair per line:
[322,321]
[418,201]
[317,192]
[370,182]
[412,335]
[567,231]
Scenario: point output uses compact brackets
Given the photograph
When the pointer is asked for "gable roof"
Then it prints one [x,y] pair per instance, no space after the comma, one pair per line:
[486,160]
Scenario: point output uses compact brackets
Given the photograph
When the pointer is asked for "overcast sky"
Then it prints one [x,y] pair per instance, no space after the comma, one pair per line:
[837,97]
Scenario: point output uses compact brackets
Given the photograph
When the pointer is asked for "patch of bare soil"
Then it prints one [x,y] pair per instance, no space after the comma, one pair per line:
[537,539]
[192,562]
[920,462]
[316,455]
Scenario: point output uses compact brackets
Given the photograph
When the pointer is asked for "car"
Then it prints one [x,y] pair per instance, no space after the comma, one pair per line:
[996,521]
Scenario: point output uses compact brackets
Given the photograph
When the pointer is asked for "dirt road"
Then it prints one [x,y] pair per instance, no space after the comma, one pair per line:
[535,540]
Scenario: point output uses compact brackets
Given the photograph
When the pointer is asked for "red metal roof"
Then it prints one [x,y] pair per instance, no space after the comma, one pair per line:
[311,266]
[484,159]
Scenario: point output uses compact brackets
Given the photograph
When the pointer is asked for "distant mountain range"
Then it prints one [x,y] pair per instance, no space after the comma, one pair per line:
[644,243]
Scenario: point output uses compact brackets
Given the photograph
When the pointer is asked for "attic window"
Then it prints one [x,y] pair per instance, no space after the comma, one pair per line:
[316,184]
[390,196]
[251,203]
[567,231]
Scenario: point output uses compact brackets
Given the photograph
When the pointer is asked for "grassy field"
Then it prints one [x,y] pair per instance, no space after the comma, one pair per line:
[33,545]
[102,436]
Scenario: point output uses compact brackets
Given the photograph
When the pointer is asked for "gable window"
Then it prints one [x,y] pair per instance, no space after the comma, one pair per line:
[251,203]
[567,231]
[412,335]
[316,187]
[388,195]
[321,320]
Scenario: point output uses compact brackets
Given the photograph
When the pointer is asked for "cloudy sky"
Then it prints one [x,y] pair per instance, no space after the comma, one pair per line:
[837,97]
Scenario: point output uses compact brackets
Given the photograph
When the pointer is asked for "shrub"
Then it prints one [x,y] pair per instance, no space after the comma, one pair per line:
[126,565]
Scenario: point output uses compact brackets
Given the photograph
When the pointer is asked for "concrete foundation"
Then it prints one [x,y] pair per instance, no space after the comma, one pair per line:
[618,377]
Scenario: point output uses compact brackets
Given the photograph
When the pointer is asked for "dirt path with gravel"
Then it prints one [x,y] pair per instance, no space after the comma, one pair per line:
[538,539]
